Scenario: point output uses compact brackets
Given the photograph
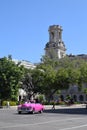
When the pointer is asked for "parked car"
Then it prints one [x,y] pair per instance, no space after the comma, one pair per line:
[30,108]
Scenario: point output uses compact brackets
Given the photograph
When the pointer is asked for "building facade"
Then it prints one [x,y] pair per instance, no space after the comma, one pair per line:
[25,63]
[73,92]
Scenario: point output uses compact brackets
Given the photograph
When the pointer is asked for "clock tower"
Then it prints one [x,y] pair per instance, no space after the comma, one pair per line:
[55,48]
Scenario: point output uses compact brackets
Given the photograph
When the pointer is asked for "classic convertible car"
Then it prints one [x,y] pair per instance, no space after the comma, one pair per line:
[30,108]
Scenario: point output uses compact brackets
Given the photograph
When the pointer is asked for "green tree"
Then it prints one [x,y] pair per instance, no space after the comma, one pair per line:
[67,71]
[33,82]
[49,82]
[28,85]
[10,76]
[62,79]
[52,75]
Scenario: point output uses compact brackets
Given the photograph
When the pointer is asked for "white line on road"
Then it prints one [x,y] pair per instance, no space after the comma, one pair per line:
[75,127]
[41,123]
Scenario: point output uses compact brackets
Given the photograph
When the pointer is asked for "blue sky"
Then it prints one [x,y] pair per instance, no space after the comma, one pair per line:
[24,26]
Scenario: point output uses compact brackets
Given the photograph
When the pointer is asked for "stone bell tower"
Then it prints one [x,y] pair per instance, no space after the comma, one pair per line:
[55,48]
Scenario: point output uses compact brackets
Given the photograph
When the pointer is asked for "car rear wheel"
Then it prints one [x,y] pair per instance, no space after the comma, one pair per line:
[41,111]
[33,111]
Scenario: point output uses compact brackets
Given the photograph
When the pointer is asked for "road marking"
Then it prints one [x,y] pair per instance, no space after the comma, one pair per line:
[41,123]
[75,127]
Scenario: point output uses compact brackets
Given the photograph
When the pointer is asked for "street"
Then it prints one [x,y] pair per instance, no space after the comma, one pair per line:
[58,119]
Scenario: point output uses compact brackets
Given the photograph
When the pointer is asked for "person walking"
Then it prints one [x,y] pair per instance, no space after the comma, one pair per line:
[8,105]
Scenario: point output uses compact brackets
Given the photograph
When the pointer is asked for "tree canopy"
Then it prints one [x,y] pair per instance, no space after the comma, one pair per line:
[47,78]
[10,77]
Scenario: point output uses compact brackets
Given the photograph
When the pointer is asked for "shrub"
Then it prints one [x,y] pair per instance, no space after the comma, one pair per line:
[41,98]
[4,103]
[45,103]
[76,102]
[61,103]
[11,103]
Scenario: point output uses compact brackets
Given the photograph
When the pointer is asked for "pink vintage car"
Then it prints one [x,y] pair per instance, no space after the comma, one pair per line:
[30,108]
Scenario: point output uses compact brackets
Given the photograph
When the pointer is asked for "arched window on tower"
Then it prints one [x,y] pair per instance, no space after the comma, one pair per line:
[52,36]
[60,36]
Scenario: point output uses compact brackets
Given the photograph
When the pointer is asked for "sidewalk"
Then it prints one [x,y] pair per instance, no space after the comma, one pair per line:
[72,109]
[66,106]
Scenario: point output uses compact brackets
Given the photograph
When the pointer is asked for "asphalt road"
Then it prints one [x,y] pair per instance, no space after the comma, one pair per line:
[58,119]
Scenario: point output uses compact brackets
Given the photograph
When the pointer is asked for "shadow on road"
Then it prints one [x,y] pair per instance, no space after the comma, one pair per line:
[67,111]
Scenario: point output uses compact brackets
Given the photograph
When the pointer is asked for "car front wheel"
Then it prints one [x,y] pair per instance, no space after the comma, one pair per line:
[19,112]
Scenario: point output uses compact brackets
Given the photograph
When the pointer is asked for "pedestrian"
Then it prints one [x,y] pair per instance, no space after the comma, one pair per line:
[8,105]
[53,107]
